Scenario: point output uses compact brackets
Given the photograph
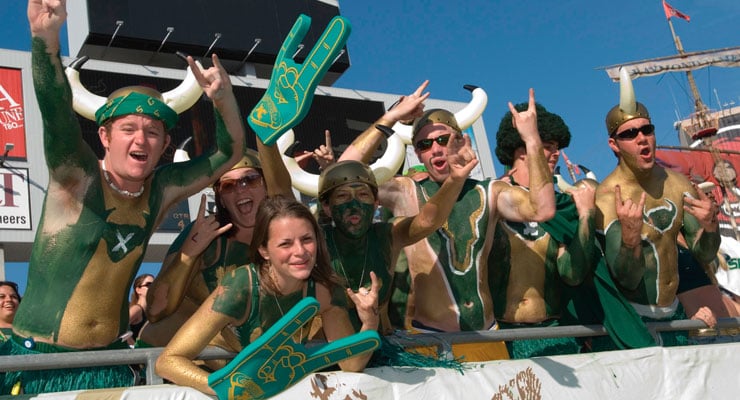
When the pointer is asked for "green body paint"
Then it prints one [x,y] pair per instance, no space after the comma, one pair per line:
[464,236]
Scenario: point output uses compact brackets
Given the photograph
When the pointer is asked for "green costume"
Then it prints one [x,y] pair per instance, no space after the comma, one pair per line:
[353,260]
[96,245]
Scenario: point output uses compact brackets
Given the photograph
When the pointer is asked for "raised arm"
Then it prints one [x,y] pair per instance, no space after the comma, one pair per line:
[406,109]
[202,171]
[538,204]
[580,254]
[182,263]
[276,174]
[63,142]
[623,240]
[701,226]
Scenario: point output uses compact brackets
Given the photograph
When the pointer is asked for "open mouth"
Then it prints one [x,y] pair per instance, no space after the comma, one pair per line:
[245,206]
[139,156]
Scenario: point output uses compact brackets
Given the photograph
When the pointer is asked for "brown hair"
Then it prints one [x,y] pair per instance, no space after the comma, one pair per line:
[137,283]
[275,207]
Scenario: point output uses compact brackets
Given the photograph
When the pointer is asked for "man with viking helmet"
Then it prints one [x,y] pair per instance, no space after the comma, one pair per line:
[641,208]
[528,285]
[348,192]
[98,215]
[449,269]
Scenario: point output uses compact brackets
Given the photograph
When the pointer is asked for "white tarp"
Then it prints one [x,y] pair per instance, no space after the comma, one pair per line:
[728,57]
[692,372]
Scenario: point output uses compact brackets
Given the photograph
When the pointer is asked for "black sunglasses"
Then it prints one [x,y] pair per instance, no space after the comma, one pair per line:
[647,130]
[426,144]
[250,180]
[146,284]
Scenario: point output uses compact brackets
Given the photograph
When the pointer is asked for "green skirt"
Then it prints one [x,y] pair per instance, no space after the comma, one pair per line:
[63,379]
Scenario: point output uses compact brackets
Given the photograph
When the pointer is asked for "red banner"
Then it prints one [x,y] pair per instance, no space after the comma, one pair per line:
[672,12]
[12,125]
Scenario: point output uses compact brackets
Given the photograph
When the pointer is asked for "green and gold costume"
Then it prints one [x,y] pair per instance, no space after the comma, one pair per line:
[91,239]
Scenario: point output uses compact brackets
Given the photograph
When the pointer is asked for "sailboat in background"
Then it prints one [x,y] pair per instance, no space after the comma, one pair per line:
[709,151]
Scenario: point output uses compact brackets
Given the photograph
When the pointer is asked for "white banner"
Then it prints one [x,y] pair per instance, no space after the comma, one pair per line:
[691,372]
[15,203]
[728,57]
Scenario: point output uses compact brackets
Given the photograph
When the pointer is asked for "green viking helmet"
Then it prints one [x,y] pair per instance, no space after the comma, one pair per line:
[435,115]
[628,108]
[348,171]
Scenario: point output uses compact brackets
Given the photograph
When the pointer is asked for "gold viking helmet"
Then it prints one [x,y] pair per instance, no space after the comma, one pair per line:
[250,159]
[628,108]
[348,171]
[435,115]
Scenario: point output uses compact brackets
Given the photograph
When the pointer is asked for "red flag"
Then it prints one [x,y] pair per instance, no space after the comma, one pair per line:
[672,12]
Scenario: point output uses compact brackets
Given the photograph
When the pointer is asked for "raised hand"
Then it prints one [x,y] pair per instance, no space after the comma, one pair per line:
[274,361]
[366,301]
[630,217]
[704,209]
[215,80]
[460,156]
[46,17]
[288,97]
[324,155]
[584,196]
[409,107]
[525,122]
[204,230]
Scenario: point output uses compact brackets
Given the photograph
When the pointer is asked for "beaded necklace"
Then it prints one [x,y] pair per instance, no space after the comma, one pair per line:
[116,188]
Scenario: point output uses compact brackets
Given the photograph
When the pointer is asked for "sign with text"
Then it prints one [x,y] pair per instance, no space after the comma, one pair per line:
[12,126]
[15,202]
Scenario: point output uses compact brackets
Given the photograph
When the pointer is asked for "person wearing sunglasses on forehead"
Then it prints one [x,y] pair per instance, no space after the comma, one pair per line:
[9,301]
[641,209]
[213,245]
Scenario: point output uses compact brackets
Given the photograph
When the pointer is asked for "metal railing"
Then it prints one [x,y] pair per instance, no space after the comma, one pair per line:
[444,341]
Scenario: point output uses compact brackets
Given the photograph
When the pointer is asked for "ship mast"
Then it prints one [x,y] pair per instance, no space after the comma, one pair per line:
[704,128]
[702,125]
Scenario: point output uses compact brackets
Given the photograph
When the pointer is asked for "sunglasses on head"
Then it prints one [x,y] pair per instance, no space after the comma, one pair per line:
[426,144]
[230,185]
[647,130]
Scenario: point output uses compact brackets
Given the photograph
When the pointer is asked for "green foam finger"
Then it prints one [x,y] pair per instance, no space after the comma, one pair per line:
[338,350]
[290,92]
[274,362]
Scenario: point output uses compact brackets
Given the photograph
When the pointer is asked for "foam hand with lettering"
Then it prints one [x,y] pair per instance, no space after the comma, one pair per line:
[274,361]
[292,85]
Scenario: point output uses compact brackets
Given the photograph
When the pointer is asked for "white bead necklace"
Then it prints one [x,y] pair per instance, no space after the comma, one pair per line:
[116,188]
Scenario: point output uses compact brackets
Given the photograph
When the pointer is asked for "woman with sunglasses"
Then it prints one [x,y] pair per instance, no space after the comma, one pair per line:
[137,305]
[9,301]
[212,245]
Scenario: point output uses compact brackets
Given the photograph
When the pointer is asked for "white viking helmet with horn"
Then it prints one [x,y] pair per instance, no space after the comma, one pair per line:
[385,167]
[628,108]
[86,103]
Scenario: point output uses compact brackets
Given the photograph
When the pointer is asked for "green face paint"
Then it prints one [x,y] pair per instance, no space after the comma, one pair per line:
[353,218]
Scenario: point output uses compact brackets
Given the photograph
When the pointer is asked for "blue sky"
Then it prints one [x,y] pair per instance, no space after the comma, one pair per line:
[507,47]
